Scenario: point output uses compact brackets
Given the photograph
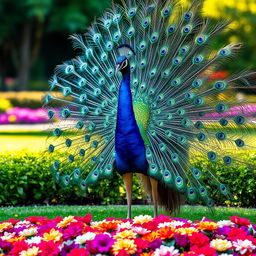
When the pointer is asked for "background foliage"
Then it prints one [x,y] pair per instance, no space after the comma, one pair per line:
[25,179]
[33,35]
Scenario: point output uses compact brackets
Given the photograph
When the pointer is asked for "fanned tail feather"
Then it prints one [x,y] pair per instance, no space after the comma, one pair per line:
[184,115]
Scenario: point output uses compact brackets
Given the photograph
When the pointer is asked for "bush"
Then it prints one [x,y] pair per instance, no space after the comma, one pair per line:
[25,179]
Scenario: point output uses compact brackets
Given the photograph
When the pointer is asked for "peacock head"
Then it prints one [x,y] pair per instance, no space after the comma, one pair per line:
[122,62]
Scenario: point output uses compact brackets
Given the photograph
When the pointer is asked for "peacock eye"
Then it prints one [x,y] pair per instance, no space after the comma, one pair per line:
[69,69]
[188,15]
[166,11]
[171,29]
[198,59]
[107,23]
[187,29]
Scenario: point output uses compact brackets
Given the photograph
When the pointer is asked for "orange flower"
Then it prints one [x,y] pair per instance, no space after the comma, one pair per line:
[207,225]
[125,234]
[146,254]
[150,237]
[107,225]
[127,245]
[165,233]
[53,235]
[186,231]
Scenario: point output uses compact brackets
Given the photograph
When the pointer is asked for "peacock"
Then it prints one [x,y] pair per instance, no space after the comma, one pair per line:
[139,98]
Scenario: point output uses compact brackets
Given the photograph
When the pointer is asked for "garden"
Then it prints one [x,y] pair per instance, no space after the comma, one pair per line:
[42,215]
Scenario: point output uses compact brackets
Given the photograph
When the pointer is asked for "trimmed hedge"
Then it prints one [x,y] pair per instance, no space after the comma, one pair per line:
[25,179]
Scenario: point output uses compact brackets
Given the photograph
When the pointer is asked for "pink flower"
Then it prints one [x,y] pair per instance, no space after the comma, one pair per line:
[243,246]
[102,243]
[49,248]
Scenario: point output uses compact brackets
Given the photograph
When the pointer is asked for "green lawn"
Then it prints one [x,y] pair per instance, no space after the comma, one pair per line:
[102,212]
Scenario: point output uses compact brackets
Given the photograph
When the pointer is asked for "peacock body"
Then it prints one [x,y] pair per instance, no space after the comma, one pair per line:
[160,113]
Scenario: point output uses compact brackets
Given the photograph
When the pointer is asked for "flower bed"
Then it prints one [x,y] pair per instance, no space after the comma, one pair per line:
[162,236]
[24,116]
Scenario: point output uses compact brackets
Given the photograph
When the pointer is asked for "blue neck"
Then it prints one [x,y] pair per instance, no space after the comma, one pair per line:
[125,113]
[129,145]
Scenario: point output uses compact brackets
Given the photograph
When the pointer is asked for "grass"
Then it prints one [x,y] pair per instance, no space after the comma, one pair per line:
[102,212]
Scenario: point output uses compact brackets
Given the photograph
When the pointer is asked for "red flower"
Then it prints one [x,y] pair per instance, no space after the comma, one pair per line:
[199,239]
[78,252]
[86,219]
[18,247]
[37,220]
[236,233]
[205,250]
[141,244]
[123,253]
[151,225]
[240,221]
[49,248]
[13,221]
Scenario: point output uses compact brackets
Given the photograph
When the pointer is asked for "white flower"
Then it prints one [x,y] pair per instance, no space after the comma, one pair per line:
[83,238]
[223,223]
[28,232]
[243,246]
[95,223]
[225,254]
[124,225]
[22,224]
[34,240]
[171,224]
[166,251]
[8,235]
[140,230]
[164,224]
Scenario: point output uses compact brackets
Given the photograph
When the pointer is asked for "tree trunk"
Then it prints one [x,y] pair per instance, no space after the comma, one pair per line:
[25,59]
[3,64]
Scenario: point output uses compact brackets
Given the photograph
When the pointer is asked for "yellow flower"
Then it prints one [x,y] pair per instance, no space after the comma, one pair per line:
[12,118]
[30,252]
[142,219]
[125,234]
[16,239]
[124,244]
[5,225]
[186,231]
[54,235]
[207,225]
[65,222]
[220,245]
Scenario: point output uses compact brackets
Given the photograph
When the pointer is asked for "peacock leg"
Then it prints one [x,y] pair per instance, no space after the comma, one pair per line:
[154,195]
[128,186]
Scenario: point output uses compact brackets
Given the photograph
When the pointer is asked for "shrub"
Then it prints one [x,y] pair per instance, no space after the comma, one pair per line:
[25,179]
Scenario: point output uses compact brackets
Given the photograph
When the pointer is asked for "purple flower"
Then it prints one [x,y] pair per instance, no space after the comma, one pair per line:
[223,230]
[181,240]
[155,244]
[6,246]
[102,243]
[67,248]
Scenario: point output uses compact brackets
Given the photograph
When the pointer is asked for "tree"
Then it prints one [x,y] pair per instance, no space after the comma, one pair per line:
[27,21]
